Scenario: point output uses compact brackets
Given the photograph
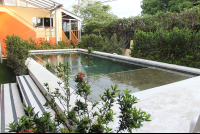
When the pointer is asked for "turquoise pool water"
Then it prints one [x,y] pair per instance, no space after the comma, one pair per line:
[100,65]
[106,72]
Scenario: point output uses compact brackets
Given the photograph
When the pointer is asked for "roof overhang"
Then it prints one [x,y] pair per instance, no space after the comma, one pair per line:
[45,4]
[71,14]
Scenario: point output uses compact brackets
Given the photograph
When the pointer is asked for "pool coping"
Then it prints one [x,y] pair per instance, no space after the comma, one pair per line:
[150,63]
[172,106]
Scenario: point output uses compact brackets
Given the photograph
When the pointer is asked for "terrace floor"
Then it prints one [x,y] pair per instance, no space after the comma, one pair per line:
[172,106]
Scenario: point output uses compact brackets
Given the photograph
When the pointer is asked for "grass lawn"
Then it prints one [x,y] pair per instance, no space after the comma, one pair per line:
[6,74]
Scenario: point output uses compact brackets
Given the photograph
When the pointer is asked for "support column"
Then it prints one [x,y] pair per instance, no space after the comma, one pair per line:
[56,29]
[79,29]
[70,29]
[50,24]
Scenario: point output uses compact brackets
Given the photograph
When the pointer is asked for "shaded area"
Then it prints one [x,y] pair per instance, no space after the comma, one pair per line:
[6,74]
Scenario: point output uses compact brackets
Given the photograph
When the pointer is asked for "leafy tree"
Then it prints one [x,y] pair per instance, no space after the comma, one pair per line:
[92,10]
[153,6]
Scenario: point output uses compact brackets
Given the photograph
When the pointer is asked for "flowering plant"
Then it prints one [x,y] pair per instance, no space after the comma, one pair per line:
[32,123]
[79,77]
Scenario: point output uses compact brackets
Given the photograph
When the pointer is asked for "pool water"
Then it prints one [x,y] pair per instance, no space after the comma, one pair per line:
[106,72]
[100,65]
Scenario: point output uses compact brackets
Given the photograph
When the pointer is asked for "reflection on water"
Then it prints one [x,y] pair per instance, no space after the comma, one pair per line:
[101,65]
[106,72]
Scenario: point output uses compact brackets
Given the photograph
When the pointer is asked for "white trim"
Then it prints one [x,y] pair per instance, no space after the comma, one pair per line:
[56,27]
[70,29]
[69,19]
[71,14]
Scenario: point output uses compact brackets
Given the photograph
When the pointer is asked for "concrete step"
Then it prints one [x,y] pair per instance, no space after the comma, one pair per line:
[32,96]
[11,105]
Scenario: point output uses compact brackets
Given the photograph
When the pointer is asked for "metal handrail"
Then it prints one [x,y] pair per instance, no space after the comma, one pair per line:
[29,31]
[37,32]
[34,28]
[46,32]
[18,16]
[76,33]
[1,61]
[21,19]
[74,38]
[29,36]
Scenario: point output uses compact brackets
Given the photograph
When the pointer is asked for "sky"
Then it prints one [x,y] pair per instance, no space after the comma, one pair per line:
[121,8]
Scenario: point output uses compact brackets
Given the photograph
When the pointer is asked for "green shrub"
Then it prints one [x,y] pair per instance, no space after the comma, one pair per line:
[177,46]
[91,40]
[99,43]
[32,123]
[17,53]
[112,45]
[64,45]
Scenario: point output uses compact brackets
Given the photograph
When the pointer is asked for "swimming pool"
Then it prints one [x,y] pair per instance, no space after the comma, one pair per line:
[108,71]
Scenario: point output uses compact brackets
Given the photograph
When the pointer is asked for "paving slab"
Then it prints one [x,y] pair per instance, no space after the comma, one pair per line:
[172,106]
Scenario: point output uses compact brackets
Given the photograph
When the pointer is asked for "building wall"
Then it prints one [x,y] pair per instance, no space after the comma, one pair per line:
[12,24]
[27,13]
[9,26]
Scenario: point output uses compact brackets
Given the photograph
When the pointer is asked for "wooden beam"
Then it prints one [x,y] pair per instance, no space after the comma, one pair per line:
[58,7]
[64,15]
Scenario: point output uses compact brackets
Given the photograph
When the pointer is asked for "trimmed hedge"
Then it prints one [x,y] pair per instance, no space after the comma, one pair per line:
[99,43]
[177,46]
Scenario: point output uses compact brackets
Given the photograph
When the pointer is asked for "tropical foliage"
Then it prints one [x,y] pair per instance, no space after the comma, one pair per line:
[17,51]
[126,27]
[154,6]
[177,46]
[99,43]
[94,11]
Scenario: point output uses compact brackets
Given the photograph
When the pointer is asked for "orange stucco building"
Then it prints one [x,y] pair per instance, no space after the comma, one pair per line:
[39,21]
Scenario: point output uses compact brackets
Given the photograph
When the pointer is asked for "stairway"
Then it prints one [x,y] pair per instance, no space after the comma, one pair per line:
[74,38]
[16,95]
[11,105]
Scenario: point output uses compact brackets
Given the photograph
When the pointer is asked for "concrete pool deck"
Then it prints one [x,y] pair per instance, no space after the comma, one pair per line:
[172,106]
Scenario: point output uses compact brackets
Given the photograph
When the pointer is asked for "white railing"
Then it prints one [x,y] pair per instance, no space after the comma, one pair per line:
[45,32]
[1,61]
[39,32]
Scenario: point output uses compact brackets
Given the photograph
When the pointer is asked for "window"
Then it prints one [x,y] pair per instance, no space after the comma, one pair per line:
[10,2]
[21,3]
[41,21]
